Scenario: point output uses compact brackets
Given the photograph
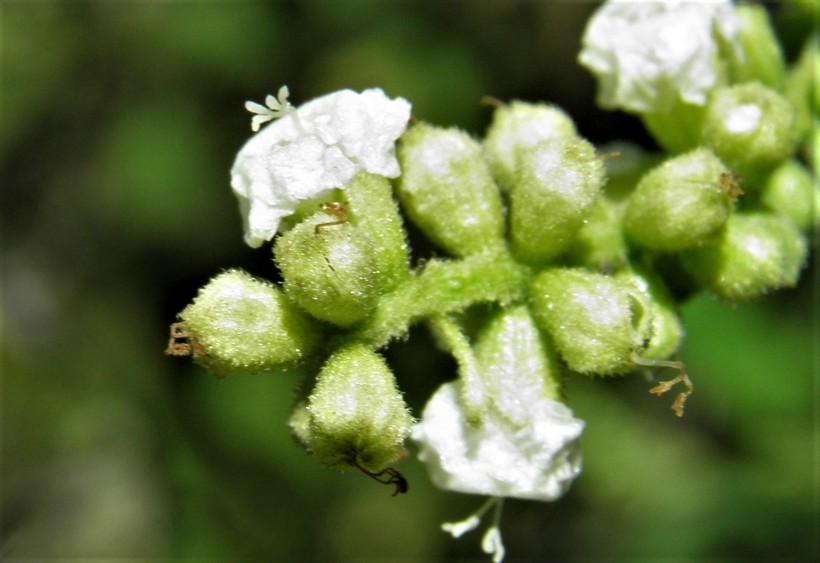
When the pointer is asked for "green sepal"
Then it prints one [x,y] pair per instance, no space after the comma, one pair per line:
[358,418]
[597,322]
[679,204]
[756,253]
[448,191]
[555,188]
[240,324]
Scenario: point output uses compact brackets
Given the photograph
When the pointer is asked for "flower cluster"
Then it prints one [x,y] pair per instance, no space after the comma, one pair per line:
[556,258]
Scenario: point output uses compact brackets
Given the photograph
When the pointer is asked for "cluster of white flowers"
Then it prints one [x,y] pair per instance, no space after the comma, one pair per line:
[307,152]
[650,54]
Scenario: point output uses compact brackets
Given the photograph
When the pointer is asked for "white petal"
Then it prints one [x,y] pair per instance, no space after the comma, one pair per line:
[537,461]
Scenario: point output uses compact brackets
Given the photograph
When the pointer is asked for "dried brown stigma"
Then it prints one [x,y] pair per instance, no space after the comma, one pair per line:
[182,342]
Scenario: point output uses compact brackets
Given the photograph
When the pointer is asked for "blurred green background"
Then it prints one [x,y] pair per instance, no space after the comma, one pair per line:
[120,121]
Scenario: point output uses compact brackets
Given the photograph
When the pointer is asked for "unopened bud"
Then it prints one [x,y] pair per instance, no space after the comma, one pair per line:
[680,203]
[519,126]
[358,418]
[556,186]
[240,324]
[448,191]
[597,322]
[755,254]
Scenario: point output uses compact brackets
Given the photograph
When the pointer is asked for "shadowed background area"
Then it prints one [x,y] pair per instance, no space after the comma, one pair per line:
[120,122]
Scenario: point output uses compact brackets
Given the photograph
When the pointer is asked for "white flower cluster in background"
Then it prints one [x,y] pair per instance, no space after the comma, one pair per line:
[650,54]
[307,152]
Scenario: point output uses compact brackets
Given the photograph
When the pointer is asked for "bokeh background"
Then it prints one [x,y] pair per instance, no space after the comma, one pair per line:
[120,121]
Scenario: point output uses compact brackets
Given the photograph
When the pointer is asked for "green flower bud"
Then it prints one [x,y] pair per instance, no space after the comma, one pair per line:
[556,186]
[597,322]
[329,267]
[517,362]
[756,253]
[792,191]
[518,126]
[750,127]
[679,204]
[240,324]
[666,332]
[762,58]
[448,192]
[358,418]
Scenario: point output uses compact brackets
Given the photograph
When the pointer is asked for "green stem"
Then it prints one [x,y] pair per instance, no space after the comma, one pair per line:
[443,287]
[449,334]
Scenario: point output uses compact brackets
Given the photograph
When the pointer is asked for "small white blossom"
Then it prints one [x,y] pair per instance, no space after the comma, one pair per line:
[535,460]
[311,150]
[649,54]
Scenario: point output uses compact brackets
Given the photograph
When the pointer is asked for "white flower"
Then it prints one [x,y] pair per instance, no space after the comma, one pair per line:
[649,54]
[311,150]
[535,460]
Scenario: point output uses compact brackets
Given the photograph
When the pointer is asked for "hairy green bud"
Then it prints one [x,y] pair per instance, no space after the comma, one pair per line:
[358,418]
[680,203]
[597,322]
[756,253]
[557,184]
[519,126]
[329,267]
[240,324]
[448,191]
[750,127]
